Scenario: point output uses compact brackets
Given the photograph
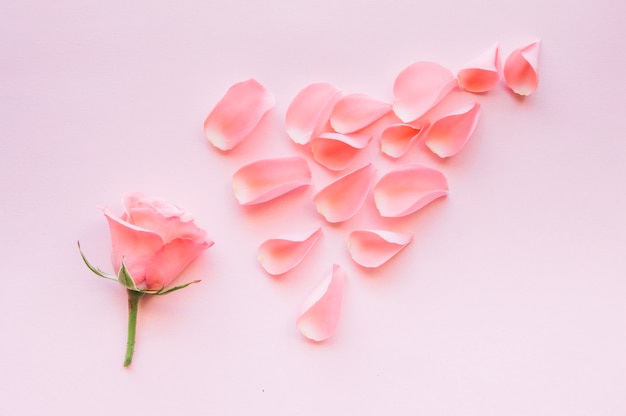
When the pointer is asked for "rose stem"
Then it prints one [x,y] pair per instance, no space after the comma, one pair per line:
[133,302]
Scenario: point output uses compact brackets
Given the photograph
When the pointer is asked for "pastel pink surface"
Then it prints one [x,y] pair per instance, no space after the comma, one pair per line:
[509,301]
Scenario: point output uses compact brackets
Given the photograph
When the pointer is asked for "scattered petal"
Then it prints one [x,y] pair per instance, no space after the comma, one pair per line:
[281,254]
[520,69]
[403,191]
[356,111]
[319,314]
[482,73]
[267,179]
[343,198]
[309,111]
[397,139]
[447,136]
[419,87]
[237,114]
[372,248]
[336,151]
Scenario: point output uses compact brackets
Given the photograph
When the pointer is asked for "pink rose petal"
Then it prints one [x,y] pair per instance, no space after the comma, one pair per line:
[336,151]
[403,191]
[520,69]
[319,314]
[309,111]
[356,111]
[419,87]
[372,248]
[397,139]
[267,179]
[343,198]
[482,73]
[237,114]
[281,254]
[447,136]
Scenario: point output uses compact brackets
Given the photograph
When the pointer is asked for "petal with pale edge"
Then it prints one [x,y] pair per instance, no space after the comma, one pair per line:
[520,69]
[281,254]
[419,87]
[319,314]
[447,136]
[309,111]
[237,114]
[343,198]
[403,191]
[267,179]
[356,111]
[482,73]
[372,248]
[336,151]
[397,139]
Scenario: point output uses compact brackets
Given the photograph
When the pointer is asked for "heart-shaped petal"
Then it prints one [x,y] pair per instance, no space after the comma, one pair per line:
[343,198]
[447,136]
[319,314]
[309,111]
[397,139]
[482,73]
[372,248]
[356,111]
[403,191]
[419,87]
[520,69]
[267,179]
[281,254]
[237,114]
[336,151]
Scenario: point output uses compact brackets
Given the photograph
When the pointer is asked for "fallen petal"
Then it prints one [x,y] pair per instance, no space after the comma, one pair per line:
[447,136]
[397,139]
[237,114]
[281,254]
[267,179]
[319,314]
[520,69]
[419,87]
[356,111]
[482,73]
[343,198]
[336,151]
[309,111]
[403,191]
[372,248]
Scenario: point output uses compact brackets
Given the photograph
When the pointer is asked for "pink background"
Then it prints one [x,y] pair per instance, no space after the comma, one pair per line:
[510,301]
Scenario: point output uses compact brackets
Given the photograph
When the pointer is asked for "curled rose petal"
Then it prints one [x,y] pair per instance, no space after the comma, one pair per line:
[281,254]
[447,136]
[336,151]
[267,179]
[309,111]
[319,314]
[343,198]
[237,114]
[403,191]
[482,73]
[419,87]
[520,69]
[397,139]
[372,248]
[356,111]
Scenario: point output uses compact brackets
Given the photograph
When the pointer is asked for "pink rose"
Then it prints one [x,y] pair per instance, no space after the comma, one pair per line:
[155,239]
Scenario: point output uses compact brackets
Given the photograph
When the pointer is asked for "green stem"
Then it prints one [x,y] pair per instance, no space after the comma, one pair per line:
[133,303]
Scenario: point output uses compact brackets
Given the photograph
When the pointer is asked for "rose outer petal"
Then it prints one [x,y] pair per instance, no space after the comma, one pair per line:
[167,263]
[309,111]
[281,254]
[482,73]
[237,114]
[520,69]
[373,248]
[319,314]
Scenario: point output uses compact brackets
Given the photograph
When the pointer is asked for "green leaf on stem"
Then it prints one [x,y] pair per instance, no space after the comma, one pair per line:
[94,269]
[126,279]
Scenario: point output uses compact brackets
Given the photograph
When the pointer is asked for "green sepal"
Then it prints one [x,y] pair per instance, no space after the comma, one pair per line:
[126,279]
[164,291]
[93,268]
